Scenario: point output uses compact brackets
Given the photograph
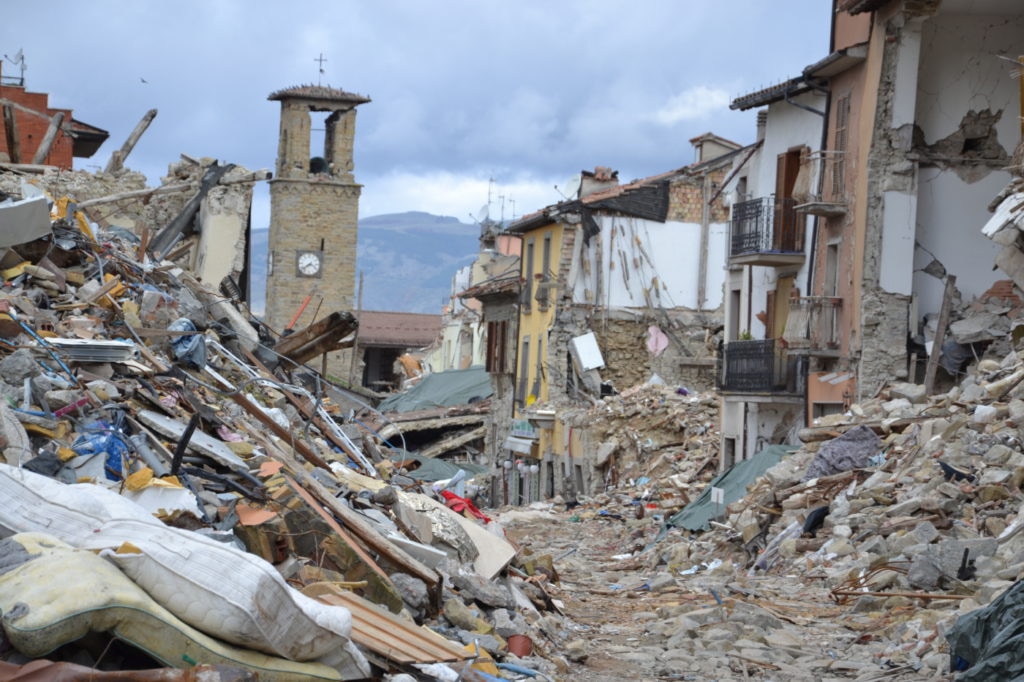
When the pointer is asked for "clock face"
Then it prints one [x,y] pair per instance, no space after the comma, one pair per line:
[309,263]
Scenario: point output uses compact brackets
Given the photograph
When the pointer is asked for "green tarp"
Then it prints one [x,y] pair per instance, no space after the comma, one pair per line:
[441,389]
[698,514]
[431,469]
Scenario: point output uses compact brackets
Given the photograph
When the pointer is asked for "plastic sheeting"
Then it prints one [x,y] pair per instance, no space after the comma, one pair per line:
[698,514]
[442,389]
[988,643]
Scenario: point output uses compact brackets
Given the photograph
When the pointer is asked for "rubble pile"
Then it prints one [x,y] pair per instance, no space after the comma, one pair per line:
[852,558]
[181,500]
[656,442]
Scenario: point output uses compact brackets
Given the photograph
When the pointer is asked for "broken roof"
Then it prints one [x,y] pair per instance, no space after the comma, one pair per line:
[442,389]
[401,330]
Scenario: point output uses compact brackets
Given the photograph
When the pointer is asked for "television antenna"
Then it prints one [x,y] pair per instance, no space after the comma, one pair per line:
[19,59]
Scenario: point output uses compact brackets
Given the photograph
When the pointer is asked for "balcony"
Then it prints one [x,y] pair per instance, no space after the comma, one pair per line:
[766,232]
[831,200]
[812,326]
[761,366]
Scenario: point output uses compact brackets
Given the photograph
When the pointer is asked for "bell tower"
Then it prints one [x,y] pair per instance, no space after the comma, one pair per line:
[314,209]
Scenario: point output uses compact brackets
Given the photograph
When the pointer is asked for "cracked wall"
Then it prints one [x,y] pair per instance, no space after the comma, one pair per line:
[938,155]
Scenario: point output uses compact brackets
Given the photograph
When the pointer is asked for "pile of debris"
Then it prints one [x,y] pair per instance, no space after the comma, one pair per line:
[656,442]
[887,546]
[179,499]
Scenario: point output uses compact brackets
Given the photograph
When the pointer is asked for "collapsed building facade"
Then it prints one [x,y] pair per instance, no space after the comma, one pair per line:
[855,233]
[618,286]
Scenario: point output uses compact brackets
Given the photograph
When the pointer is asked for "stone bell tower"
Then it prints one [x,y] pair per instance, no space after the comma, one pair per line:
[314,210]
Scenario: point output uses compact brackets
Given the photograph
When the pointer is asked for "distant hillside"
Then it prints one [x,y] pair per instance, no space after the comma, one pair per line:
[407,260]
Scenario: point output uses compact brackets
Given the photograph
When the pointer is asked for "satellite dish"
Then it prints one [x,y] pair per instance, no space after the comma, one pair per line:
[571,188]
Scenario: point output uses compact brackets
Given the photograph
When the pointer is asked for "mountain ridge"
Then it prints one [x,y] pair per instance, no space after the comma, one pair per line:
[405,261]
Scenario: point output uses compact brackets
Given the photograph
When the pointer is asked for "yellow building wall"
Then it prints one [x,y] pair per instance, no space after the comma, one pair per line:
[535,318]
[535,321]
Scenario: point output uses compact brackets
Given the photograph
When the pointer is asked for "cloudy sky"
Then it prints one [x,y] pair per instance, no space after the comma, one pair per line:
[472,99]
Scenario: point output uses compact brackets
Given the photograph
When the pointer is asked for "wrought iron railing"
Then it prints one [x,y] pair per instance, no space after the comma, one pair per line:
[764,225]
[760,366]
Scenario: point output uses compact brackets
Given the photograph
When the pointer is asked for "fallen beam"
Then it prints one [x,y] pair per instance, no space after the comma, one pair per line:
[116,162]
[318,338]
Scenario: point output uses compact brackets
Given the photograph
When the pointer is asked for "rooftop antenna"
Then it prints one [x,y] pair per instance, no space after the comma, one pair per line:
[501,201]
[320,61]
[19,59]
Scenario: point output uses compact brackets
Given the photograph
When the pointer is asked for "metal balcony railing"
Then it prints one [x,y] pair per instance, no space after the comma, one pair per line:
[812,325]
[760,366]
[764,225]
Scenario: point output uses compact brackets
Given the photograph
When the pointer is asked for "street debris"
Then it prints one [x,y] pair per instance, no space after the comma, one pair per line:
[181,494]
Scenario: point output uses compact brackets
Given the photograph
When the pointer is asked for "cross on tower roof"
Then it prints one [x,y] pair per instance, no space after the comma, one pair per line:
[320,60]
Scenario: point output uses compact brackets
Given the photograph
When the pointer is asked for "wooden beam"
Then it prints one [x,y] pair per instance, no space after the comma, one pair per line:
[940,334]
[51,135]
[116,162]
[11,130]
[297,444]
[318,338]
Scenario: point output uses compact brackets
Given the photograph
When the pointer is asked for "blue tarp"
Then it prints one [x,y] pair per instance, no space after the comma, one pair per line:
[698,514]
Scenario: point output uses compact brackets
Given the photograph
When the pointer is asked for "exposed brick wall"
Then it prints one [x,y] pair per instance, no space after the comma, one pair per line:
[686,199]
[32,129]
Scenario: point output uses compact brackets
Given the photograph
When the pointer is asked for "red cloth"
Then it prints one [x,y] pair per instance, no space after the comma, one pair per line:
[461,504]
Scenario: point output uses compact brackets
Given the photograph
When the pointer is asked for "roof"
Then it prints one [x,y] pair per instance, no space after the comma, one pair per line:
[501,286]
[711,137]
[322,93]
[87,138]
[646,198]
[838,61]
[774,93]
[409,330]
[859,6]
[442,389]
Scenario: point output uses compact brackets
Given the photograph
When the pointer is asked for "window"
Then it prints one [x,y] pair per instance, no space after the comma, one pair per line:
[498,360]
[543,286]
[840,140]
[524,370]
[528,274]
[832,269]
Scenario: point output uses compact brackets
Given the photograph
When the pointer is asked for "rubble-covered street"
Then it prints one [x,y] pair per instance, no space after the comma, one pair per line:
[151,437]
[922,498]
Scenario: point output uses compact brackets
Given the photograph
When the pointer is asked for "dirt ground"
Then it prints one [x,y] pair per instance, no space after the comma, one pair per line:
[620,608]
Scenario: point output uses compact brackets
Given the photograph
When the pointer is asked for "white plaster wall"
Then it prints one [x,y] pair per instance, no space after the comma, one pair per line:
[961,69]
[787,126]
[663,258]
[950,216]
[897,242]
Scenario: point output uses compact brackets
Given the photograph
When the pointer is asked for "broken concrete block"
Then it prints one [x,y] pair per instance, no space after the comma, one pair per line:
[915,393]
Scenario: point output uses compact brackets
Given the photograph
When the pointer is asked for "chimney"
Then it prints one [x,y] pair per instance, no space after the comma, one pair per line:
[762,122]
[601,178]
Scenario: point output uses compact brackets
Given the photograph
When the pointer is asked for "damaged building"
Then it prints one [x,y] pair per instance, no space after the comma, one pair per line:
[885,156]
[618,286]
